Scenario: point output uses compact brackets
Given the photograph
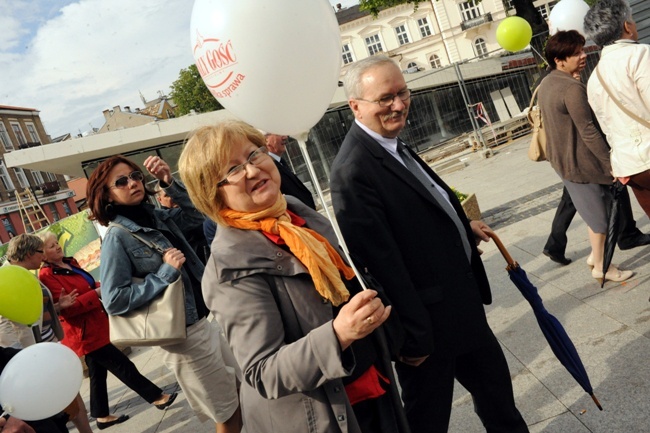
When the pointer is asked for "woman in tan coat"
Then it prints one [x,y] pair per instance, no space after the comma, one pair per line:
[576,148]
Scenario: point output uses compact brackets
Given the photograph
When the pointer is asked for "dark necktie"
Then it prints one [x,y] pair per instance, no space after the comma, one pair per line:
[415,168]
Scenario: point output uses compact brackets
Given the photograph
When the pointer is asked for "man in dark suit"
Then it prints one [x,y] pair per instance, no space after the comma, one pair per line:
[407,227]
[290,184]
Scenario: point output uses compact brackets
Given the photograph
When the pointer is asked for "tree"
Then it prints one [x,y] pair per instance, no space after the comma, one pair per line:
[189,92]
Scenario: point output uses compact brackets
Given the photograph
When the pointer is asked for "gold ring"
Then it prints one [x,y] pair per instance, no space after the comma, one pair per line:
[369,320]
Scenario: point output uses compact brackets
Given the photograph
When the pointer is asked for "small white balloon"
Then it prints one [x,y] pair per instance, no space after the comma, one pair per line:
[273,63]
[568,15]
[40,381]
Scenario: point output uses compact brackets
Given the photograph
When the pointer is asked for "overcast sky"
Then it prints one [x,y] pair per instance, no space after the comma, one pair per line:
[73,59]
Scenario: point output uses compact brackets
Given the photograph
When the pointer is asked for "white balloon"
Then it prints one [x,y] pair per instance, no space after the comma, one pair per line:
[273,63]
[568,15]
[40,381]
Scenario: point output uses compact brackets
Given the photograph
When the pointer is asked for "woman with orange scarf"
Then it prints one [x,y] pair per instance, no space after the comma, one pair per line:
[286,300]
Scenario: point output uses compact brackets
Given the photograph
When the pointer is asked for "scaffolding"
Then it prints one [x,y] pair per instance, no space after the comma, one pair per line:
[31,211]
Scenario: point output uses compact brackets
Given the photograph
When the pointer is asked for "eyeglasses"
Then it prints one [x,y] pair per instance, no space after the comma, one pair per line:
[38,251]
[123,181]
[238,172]
[388,100]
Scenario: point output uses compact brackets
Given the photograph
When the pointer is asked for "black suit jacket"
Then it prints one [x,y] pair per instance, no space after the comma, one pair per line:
[291,185]
[411,245]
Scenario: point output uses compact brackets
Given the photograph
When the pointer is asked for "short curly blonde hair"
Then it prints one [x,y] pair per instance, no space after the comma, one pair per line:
[204,162]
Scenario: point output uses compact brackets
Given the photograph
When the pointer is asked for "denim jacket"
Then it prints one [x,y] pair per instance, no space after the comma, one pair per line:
[124,257]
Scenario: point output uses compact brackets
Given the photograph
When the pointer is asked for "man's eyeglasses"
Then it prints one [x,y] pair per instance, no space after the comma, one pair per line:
[123,181]
[388,100]
[238,172]
[38,251]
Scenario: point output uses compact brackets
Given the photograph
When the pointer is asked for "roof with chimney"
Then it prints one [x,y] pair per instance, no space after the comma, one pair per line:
[346,15]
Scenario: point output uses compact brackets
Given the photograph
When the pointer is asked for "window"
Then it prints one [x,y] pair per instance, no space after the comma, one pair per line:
[507,4]
[4,177]
[38,177]
[411,65]
[425,29]
[8,226]
[66,208]
[434,60]
[55,213]
[374,44]
[469,10]
[4,137]
[402,35]
[33,135]
[22,179]
[545,10]
[347,54]
[480,47]
[51,177]
[19,134]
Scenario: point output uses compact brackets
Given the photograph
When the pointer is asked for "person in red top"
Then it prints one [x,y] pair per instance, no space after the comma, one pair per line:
[85,325]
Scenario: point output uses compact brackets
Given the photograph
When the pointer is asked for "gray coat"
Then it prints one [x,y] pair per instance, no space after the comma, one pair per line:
[293,386]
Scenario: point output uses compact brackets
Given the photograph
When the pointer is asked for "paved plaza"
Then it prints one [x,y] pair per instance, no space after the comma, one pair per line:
[610,326]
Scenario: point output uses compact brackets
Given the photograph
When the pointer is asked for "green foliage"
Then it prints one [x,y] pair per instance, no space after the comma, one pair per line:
[374,6]
[459,195]
[190,93]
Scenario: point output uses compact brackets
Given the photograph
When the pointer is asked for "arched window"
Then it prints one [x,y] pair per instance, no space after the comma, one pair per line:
[411,65]
[434,60]
[480,47]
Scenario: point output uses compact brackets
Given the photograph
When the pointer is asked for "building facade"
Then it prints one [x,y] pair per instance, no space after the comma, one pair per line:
[436,34]
[21,128]
[118,118]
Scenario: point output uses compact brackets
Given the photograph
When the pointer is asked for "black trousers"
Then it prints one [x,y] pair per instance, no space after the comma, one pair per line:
[427,390]
[565,212]
[110,358]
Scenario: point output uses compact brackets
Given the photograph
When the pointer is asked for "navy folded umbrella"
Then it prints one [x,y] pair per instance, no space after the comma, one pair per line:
[613,227]
[557,338]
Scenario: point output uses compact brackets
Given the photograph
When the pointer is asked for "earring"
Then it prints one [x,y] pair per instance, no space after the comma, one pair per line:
[110,211]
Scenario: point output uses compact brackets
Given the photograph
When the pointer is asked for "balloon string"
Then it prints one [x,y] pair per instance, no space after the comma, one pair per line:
[6,412]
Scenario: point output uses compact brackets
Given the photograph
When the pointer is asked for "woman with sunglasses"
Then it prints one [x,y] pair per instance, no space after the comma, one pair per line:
[202,363]
[295,317]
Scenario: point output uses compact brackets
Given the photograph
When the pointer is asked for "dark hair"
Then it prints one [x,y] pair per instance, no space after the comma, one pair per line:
[98,188]
[605,21]
[561,45]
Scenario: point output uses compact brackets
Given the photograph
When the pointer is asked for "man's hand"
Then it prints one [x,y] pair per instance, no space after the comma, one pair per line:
[479,228]
[14,425]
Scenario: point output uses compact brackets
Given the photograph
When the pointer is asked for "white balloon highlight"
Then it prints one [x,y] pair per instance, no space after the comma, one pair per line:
[40,381]
[274,64]
[568,15]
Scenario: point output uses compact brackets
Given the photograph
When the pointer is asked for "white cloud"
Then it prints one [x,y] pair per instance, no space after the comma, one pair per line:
[94,55]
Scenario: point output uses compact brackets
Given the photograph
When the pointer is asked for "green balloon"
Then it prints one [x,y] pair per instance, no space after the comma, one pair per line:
[21,297]
[514,34]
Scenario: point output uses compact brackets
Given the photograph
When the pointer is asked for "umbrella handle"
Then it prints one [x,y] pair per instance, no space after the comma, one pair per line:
[593,397]
[504,252]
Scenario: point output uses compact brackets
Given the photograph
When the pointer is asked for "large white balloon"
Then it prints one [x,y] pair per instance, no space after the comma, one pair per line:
[273,63]
[40,381]
[568,15]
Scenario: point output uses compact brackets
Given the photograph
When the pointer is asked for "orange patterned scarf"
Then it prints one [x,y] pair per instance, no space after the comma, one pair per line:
[323,262]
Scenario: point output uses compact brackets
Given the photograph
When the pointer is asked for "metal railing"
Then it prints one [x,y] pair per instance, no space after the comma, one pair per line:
[475,22]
